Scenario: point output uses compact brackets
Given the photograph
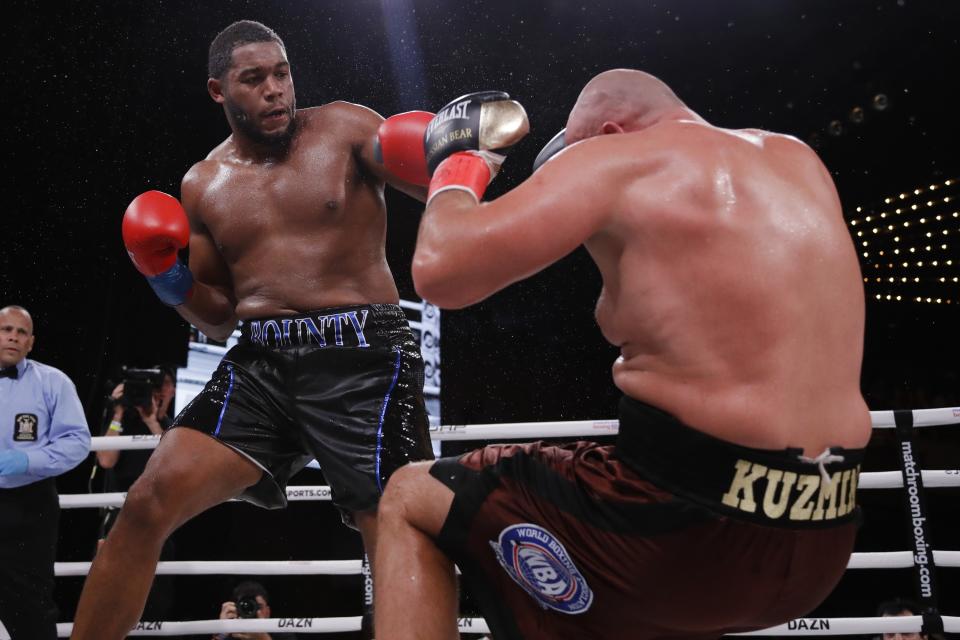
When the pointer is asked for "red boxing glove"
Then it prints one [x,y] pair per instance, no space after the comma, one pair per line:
[399,146]
[155,226]
[470,171]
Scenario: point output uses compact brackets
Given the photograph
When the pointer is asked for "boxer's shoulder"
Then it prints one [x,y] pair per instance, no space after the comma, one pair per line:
[334,124]
[695,149]
[220,152]
[626,156]
[199,176]
[201,172]
[677,133]
[341,116]
[709,137]
[765,152]
[197,180]
[767,140]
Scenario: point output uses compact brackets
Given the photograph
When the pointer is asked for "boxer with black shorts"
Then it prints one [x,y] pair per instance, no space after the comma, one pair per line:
[732,288]
[346,381]
[286,224]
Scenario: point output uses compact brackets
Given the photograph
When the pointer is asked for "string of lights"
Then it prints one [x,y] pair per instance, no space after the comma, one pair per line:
[909,245]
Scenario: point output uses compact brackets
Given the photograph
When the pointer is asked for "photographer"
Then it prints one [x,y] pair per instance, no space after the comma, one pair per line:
[903,607]
[138,406]
[141,406]
[250,600]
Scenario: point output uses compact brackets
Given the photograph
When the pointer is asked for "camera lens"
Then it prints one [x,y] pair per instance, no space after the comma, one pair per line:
[247,607]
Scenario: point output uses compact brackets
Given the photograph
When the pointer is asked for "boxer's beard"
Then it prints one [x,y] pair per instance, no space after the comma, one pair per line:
[245,124]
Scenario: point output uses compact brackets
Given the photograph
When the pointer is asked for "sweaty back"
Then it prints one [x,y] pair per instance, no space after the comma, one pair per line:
[733,289]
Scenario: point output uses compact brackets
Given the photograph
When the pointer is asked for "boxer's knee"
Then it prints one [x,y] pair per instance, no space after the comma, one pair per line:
[403,492]
[415,498]
[151,508]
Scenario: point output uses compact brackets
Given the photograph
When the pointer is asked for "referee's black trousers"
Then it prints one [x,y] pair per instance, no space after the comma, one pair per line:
[29,517]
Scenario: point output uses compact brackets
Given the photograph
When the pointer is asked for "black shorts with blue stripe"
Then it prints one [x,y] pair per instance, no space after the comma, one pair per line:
[342,385]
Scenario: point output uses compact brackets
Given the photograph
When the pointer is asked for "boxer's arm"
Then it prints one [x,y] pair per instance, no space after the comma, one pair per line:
[467,251]
[366,123]
[212,305]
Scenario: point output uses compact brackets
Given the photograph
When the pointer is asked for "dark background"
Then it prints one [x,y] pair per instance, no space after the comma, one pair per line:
[105,100]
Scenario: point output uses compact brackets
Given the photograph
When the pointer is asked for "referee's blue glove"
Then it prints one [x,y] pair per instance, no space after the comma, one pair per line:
[13,462]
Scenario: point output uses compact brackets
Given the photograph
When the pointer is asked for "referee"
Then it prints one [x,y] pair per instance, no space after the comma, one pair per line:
[43,433]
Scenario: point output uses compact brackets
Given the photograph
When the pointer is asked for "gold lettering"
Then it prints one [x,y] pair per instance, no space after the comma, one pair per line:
[803,507]
[844,508]
[743,483]
[854,481]
[828,491]
[772,507]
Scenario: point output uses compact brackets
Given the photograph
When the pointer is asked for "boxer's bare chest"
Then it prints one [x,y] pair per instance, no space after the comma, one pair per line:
[303,198]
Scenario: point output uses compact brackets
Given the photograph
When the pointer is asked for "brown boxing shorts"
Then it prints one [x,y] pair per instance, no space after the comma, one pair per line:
[669,534]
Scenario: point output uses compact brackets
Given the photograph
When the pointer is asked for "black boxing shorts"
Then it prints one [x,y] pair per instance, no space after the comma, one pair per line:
[669,534]
[342,385]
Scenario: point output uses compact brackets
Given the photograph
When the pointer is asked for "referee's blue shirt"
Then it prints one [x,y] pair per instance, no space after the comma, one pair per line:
[41,415]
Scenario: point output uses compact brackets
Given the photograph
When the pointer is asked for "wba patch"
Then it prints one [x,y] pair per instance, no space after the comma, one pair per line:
[537,561]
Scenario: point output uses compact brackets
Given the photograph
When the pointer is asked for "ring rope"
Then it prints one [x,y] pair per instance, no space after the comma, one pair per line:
[569,428]
[852,626]
[412,305]
[237,625]
[116,499]
[898,559]
[234,567]
[866,560]
[555,429]
[798,627]
[939,478]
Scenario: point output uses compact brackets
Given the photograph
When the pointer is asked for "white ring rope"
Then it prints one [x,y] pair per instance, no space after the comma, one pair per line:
[262,625]
[921,417]
[568,428]
[872,560]
[798,627]
[556,429]
[899,559]
[852,626]
[234,568]
[939,478]
[302,493]
[257,625]
[410,304]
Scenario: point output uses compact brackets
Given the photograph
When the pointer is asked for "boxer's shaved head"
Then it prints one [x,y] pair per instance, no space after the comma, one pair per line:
[236,35]
[629,98]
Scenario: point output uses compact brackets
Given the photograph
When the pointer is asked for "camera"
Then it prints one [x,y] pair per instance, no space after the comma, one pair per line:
[138,386]
[247,607]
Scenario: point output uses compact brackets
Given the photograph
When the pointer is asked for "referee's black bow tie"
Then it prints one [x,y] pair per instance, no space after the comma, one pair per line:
[9,372]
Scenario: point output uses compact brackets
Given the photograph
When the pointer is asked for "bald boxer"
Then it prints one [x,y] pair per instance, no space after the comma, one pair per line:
[285,223]
[733,291]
